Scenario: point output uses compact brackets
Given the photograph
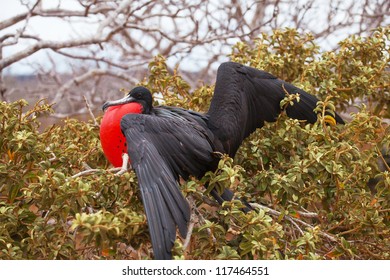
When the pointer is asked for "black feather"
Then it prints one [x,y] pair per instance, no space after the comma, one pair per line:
[158,146]
[245,97]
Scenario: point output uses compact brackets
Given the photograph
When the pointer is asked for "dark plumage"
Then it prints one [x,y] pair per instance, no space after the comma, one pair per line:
[165,143]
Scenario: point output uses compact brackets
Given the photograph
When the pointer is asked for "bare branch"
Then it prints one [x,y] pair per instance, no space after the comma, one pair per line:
[125,35]
[90,112]
[86,76]
[294,221]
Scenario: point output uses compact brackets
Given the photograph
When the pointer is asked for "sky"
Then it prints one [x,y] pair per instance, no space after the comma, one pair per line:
[57,30]
[48,28]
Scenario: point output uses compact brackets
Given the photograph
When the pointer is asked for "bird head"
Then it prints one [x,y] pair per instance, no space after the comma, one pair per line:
[139,95]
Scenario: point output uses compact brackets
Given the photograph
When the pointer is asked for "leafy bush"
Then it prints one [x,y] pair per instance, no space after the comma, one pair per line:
[321,191]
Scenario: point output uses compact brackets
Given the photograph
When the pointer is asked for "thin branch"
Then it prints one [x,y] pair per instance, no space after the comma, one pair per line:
[86,76]
[47,45]
[90,112]
[192,222]
[291,219]
[85,172]
[383,159]
[98,38]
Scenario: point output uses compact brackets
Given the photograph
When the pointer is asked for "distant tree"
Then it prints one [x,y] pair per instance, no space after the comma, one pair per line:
[117,39]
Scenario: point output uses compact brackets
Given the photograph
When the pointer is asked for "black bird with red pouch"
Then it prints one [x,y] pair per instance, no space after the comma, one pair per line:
[165,143]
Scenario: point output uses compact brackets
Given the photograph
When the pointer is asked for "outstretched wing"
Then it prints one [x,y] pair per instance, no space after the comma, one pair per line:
[161,149]
[245,97]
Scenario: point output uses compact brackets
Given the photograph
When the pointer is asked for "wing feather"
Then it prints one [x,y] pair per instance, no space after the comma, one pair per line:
[245,97]
[162,149]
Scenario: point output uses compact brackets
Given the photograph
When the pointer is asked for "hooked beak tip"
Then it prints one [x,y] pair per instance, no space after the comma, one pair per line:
[122,101]
[104,107]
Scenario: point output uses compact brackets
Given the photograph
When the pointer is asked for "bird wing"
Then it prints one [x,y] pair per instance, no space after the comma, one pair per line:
[161,149]
[245,97]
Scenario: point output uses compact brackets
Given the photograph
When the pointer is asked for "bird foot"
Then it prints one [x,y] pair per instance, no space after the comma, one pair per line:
[125,166]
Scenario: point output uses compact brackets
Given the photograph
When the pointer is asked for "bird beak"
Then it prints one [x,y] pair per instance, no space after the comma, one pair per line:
[124,100]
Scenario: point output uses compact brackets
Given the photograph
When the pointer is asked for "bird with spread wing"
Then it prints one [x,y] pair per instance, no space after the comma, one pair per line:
[165,143]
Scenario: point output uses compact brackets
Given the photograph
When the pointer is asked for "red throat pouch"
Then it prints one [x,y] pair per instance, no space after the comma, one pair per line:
[111,137]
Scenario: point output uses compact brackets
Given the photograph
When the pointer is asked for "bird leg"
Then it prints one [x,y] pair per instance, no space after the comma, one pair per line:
[125,165]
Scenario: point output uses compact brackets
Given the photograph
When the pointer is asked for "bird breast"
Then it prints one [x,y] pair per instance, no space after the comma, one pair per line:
[112,139]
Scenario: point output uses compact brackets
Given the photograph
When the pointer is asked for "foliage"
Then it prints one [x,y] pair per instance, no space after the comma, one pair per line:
[322,191]
[174,89]
[356,71]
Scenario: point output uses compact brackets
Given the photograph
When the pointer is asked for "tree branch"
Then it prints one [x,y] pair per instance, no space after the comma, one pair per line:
[292,220]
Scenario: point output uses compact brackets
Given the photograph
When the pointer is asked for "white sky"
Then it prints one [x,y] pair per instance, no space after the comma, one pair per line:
[57,29]
[51,28]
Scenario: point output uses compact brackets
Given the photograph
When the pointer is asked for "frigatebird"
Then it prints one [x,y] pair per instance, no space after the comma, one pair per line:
[165,143]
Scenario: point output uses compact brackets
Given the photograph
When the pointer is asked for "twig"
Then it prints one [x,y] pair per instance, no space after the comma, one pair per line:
[86,166]
[292,220]
[307,214]
[115,169]
[304,213]
[120,170]
[85,77]
[90,112]
[382,158]
[192,223]
[202,221]
[298,228]
[52,159]
[85,172]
